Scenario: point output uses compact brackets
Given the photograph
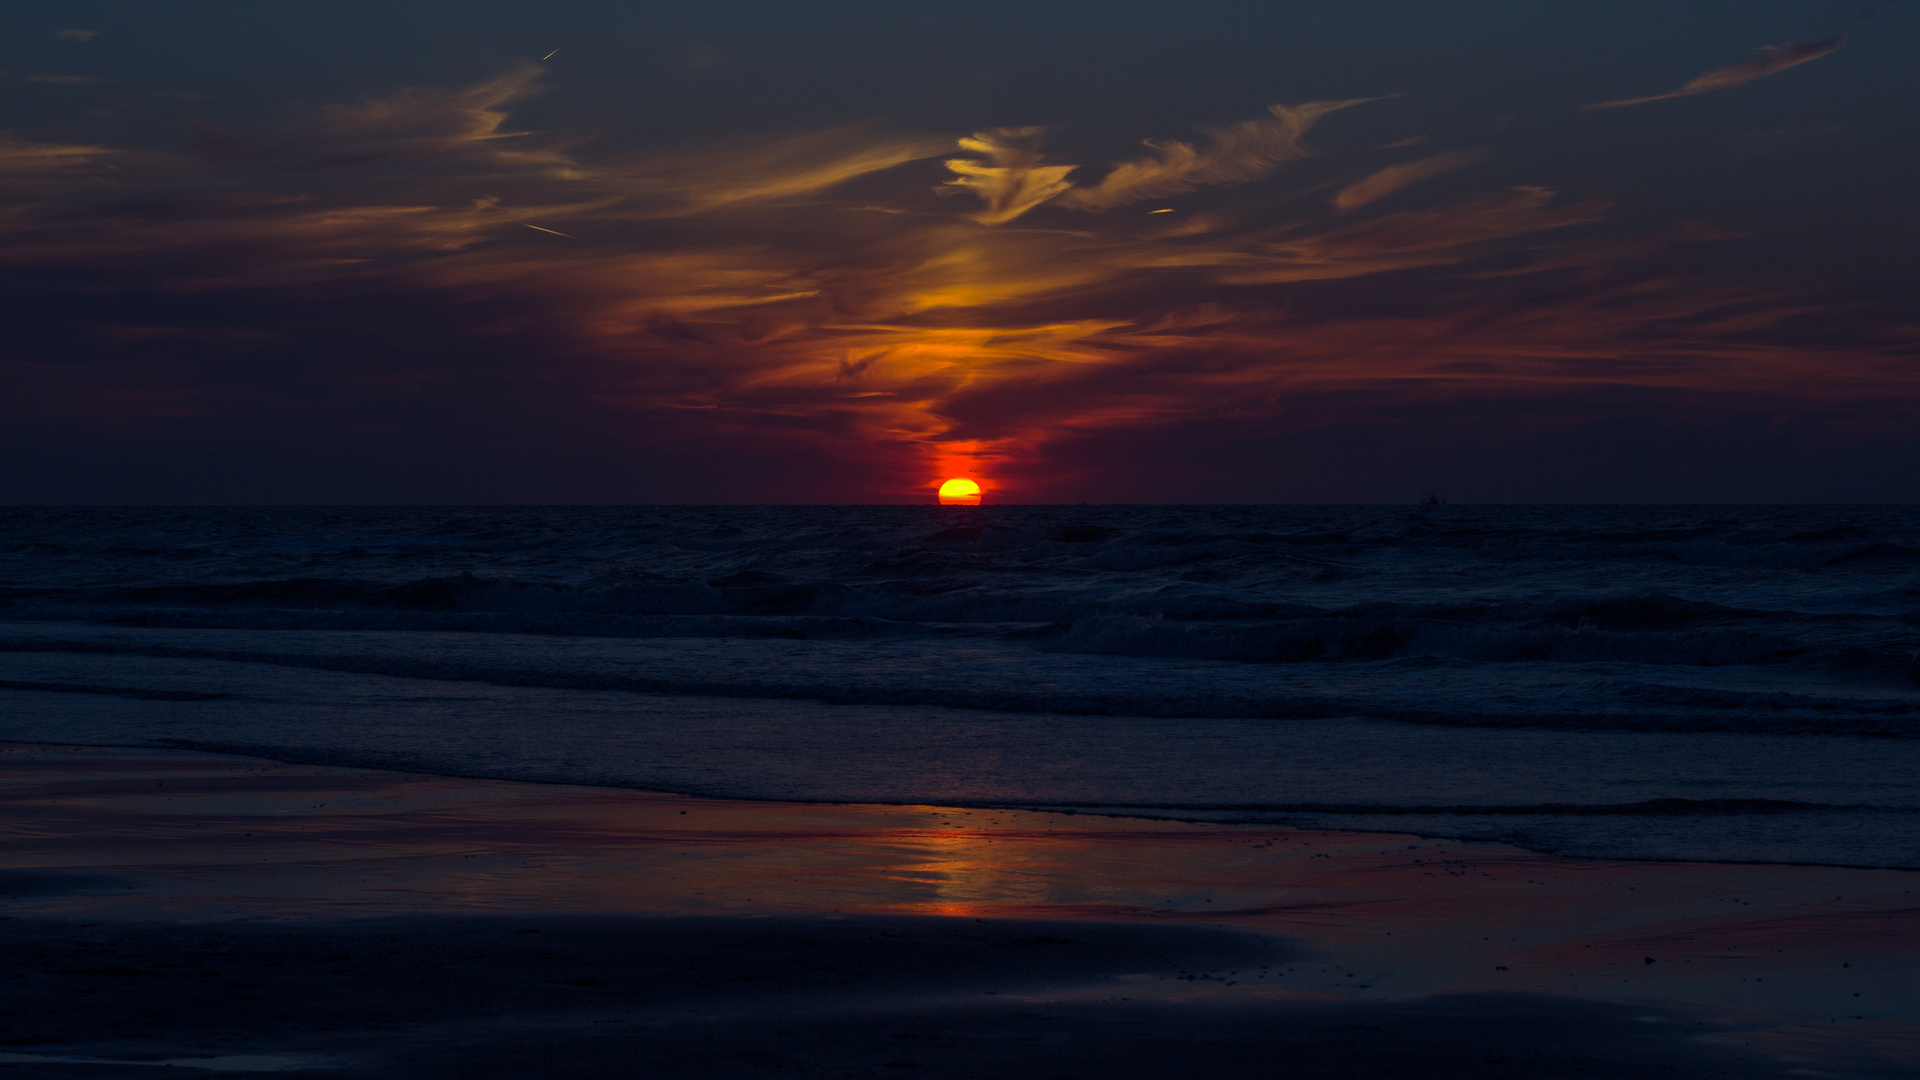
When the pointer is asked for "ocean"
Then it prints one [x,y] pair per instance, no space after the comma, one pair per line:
[1718,683]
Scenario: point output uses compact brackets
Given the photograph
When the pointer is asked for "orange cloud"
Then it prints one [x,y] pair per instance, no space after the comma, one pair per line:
[1395,177]
[409,123]
[431,121]
[741,290]
[728,176]
[1232,155]
[20,157]
[1011,181]
[1769,60]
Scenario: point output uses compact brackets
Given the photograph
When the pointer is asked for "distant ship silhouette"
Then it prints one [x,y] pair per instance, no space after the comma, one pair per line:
[1434,497]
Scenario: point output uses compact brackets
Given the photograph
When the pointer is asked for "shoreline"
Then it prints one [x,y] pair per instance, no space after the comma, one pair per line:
[1128,812]
[137,841]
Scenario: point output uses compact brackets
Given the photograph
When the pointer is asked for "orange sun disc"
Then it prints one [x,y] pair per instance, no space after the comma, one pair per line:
[959,491]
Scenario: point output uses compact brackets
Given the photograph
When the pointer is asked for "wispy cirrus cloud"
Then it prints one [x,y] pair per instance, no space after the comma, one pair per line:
[470,124]
[806,290]
[1381,184]
[1012,180]
[409,123]
[1235,154]
[1769,60]
[18,156]
[1409,240]
[739,173]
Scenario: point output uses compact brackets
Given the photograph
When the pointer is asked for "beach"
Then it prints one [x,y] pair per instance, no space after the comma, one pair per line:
[1190,541]
[242,914]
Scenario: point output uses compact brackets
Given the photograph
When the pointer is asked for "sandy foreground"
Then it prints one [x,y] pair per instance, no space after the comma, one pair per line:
[170,913]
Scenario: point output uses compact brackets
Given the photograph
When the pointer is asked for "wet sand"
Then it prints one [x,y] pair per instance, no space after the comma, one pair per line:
[232,913]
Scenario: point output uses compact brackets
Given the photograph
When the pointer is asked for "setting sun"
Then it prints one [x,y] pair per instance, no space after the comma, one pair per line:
[959,491]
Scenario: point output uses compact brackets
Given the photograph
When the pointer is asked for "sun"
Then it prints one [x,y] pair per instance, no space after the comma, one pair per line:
[959,491]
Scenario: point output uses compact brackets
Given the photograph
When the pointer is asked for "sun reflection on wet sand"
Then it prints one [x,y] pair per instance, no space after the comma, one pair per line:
[144,834]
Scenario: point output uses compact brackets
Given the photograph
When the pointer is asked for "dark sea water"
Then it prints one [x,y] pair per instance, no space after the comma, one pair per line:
[1674,682]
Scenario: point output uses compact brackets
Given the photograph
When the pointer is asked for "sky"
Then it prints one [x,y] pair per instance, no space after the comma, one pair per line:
[1212,252]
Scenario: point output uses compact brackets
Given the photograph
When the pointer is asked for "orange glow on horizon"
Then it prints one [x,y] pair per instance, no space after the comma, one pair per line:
[960,491]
